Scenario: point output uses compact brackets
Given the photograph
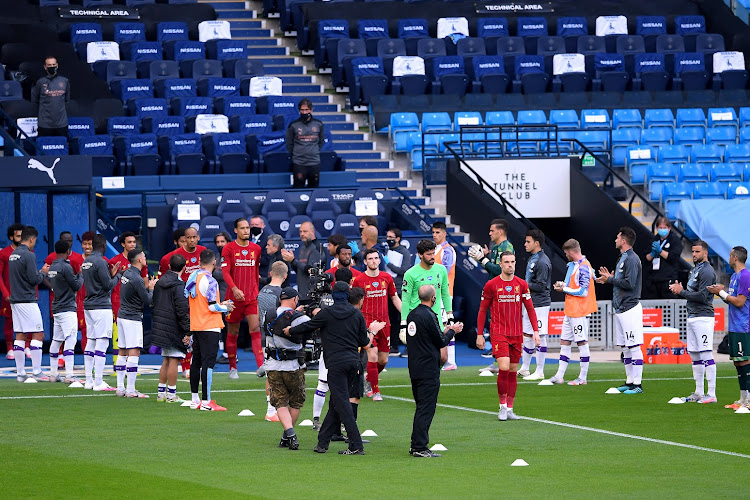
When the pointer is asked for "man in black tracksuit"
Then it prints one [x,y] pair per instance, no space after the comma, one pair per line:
[342,332]
[304,139]
[309,255]
[425,339]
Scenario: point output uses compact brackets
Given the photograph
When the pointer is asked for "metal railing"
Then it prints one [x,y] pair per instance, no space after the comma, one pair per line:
[11,145]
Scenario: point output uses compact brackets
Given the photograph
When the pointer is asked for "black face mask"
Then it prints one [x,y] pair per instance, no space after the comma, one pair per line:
[52,70]
[255,231]
[361,229]
[391,243]
[306,117]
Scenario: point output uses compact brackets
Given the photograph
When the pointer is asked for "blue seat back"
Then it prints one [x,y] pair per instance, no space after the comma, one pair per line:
[85,32]
[167,125]
[572,26]
[180,144]
[492,27]
[525,65]
[372,28]
[149,107]
[226,49]
[145,51]
[177,87]
[51,146]
[531,26]
[123,125]
[80,126]
[191,106]
[166,31]
[411,28]
[254,124]
[185,50]
[95,145]
[129,32]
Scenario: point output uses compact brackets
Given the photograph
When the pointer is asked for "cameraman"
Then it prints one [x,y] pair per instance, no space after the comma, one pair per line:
[285,363]
[342,332]
[308,257]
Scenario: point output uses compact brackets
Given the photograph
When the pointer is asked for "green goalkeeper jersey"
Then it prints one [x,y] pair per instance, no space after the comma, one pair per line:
[493,266]
[417,276]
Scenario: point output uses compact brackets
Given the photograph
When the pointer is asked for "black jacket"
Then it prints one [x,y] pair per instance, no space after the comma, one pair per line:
[342,332]
[669,267]
[266,279]
[171,317]
[425,339]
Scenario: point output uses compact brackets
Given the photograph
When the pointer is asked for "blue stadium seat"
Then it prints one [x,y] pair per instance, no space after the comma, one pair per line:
[138,154]
[206,68]
[229,154]
[689,27]
[726,172]
[655,118]
[592,119]
[670,44]
[83,33]
[388,48]
[550,45]
[470,47]
[737,153]
[243,68]
[80,127]
[622,139]
[707,43]
[187,198]
[235,105]
[659,174]
[564,118]
[449,75]
[530,29]
[176,87]
[222,50]
[347,225]
[530,74]
[366,77]
[372,30]
[129,32]
[278,210]
[649,27]
[609,73]
[192,106]
[491,29]
[673,154]
[595,140]
[489,75]
[164,126]
[710,190]
[436,122]
[123,125]
[166,31]
[346,50]
[572,29]
[148,107]
[127,89]
[695,172]
[294,223]
[411,30]
[322,210]
[209,227]
[251,124]
[738,190]
[744,135]
[590,44]
[10,91]
[660,136]
[690,71]
[672,194]
[368,194]
[721,137]
[705,153]
[276,105]
[637,159]
[329,29]
[218,87]
[689,137]
[52,146]
[184,51]
[630,44]
[626,118]
[650,72]
[691,117]
[233,206]
[746,172]
[101,151]
[723,118]
[186,154]
[142,51]
[428,48]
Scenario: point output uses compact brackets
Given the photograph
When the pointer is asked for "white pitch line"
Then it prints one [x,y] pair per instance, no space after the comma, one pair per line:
[590,429]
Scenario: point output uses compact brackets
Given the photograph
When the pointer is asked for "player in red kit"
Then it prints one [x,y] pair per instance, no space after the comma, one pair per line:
[503,296]
[379,288]
[240,269]
[178,237]
[343,255]
[14,236]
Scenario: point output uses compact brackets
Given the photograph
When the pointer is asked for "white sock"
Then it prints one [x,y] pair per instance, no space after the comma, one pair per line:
[698,370]
[172,391]
[88,361]
[319,400]
[161,389]
[132,372]
[452,352]
[628,361]
[36,356]
[528,351]
[195,397]
[120,372]
[221,346]
[541,355]
[745,396]
[69,355]
[585,354]
[271,410]
[637,365]
[54,354]
[710,366]
[565,351]
[18,348]
[100,358]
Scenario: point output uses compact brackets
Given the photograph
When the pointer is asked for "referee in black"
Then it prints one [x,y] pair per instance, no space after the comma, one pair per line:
[425,339]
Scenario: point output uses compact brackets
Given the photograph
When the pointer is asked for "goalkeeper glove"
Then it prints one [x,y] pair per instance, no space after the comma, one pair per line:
[402,332]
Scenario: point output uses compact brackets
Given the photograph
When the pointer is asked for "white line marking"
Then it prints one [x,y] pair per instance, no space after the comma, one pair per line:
[590,429]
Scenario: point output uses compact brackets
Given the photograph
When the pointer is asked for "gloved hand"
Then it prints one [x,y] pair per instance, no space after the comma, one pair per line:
[654,254]
[475,252]
[385,259]
[655,248]
[384,248]
[402,332]
[355,247]
[450,319]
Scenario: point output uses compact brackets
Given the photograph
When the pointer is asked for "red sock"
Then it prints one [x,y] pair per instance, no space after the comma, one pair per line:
[185,363]
[372,375]
[380,367]
[28,343]
[512,386]
[231,350]
[83,339]
[502,386]
[8,332]
[257,348]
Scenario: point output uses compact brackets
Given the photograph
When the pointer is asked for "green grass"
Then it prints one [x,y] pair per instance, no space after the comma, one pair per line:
[107,447]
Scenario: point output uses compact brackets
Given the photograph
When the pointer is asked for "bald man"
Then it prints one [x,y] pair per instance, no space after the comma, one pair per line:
[368,240]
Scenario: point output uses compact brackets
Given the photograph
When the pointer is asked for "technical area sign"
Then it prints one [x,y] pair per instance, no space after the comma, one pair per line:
[538,188]
[45,171]
[101,12]
[513,7]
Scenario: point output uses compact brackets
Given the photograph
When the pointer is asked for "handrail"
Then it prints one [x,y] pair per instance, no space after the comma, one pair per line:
[7,137]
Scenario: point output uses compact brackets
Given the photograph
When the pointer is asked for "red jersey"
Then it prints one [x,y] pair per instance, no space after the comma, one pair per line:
[240,268]
[124,265]
[333,270]
[5,281]
[164,264]
[504,299]
[378,291]
[192,259]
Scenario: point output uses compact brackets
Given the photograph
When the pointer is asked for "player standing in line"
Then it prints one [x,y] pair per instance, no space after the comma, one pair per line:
[427,272]
[700,323]
[81,294]
[178,237]
[134,297]
[503,296]
[626,301]
[240,270]
[446,255]
[343,259]
[27,318]
[739,321]
[580,302]
[268,300]
[65,284]
[99,279]
[335,241]
[379,289]
[14,235]
[539,280]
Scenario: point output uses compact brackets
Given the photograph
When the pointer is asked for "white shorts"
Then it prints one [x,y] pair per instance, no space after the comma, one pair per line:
[629,327]
[129,334]
[322,370]
[542,316]
[575,329]
[66,324]
[98,323]
[700,334]
[171,352]
[27,318]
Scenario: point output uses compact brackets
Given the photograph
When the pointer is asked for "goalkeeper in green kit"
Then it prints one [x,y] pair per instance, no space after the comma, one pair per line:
[426,273]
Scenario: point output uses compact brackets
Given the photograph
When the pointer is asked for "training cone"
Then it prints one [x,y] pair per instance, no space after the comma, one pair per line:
[676,401]
[306,423]
[246,413]
[545,382]
[186,403]
[742,409]
[30,381]
[369,433]
[519,463]
[75,385]
[438,447]
[612,390]
[486,373]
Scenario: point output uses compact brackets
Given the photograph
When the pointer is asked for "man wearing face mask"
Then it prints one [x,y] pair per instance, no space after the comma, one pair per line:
[663,262]
[397,270]
[259,236]
[304,139]
[50,94]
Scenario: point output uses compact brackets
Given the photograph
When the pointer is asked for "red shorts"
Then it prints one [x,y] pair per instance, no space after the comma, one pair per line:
[382,340]
[507,347]
[242,309]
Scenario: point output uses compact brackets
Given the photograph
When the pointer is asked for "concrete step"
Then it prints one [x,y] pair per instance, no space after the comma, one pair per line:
[275,70]
[283,60]
[339,126]
[245,24]
[353,146]
[369,164]
[348,136]
[376,174]
[229,15]
[326,108]
[364,156]
[250,33]
[385,184]
[295,80]
[263,42]
[260,51]
[332,118]
[228,4]
[300,88]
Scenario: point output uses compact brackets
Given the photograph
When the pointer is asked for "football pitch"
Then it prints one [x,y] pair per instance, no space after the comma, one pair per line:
[579,442]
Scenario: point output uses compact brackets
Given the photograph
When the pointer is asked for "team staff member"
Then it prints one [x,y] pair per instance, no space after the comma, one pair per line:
[539,279]
[305,137]
[626,301]
[259,236]
[27,318]
[393,240]
[239,267]
[700,323]
[663,262]
[503,296]
[739,321]
[50,94]
[343,332]
[425,340]
[489,259]
[309,255]
[445,254]
[14,236]
[273,250]
[65,284]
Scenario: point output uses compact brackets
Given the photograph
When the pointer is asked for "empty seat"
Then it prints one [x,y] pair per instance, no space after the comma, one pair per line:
[659,174]
[100,149]
[229,153]
[738,190]
[531,74]
[129,32]
[329,29]
[251,124]
[218,87]
[176,87]
[691,117]
[192,106]
[690,71]
[655,118]
[590,44]
[143,51]
[450,75]
[626,118]
[705,153]
[723,117]
[347,225]
[595,119]
[689,136]
[726,172]
[637,159]
[233,206]
[184,50]
[186,154]
[164,125]
[673,154]
[672,194]
[166,31]
[123,125]
[489,75]
[572,29]
[50,146]
[372,30]
[148,107]
[709,190]
[649,27]
[201,69]
[670,44]
[695,172]
[80,126]
[278,210]
[400,125]
[322,210]
[436,122]
[630,44]
[10,91]
[622,139]
[182,216]
[226,49]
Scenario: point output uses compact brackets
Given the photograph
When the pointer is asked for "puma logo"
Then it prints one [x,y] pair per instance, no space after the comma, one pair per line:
[34,163]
